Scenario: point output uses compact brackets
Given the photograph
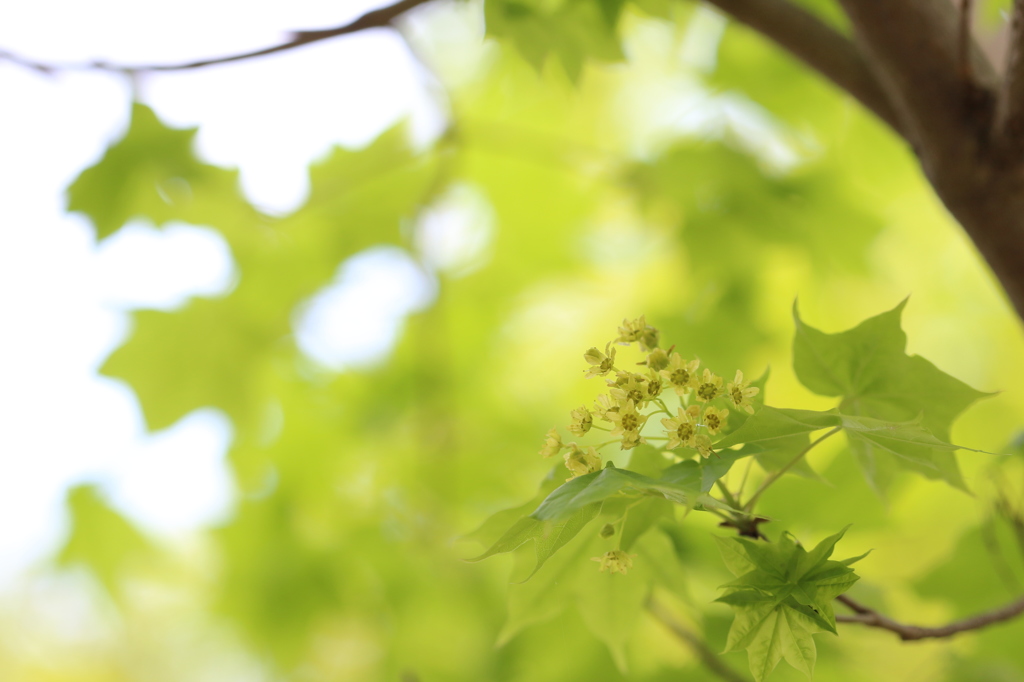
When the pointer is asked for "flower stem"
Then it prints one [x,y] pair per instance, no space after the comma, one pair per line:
[749,506]
[729,499]
[746,473]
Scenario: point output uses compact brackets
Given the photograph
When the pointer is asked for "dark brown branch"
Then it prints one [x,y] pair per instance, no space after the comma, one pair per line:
[963,41]
[1010,107]
[699,647]
[377,18]
[818,45]
[871,618]
[911,46]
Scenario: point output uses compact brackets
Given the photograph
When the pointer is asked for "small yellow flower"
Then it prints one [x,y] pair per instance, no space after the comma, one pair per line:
[654,386]
[627,419]
[649,338]
[552,444]
[714,419]
[581,421]
[681,429]
[581,462]
[630,387]
[703,445]
[657,359]
[603,405]
[681,376]
[615,561]
[708,387]
[601,363]
[631,331]
[740,393]
[630,439]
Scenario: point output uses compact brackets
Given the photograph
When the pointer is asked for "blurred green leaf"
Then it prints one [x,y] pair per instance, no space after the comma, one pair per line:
[101,539]
[219,353]
[573,30]
[153,173]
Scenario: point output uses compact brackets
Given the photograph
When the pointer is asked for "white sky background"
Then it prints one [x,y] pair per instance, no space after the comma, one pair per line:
[62,297]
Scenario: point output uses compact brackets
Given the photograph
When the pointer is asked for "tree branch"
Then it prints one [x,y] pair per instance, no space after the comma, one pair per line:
[912,47]
[871,618]
[818,45]
[963,41]
[377,18]
[1010,106]
[699,647]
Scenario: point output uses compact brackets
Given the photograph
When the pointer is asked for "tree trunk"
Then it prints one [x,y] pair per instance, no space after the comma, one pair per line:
[988,201]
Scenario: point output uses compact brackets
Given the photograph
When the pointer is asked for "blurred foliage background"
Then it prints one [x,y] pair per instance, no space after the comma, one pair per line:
[602,159]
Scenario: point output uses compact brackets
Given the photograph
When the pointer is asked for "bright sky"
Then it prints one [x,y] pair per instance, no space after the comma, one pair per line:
[64,298]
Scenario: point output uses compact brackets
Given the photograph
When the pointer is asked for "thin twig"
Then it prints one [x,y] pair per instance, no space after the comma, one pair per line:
[871,618]
[729,499]
[378,18]
[789,465]
[711,661]
[743,481]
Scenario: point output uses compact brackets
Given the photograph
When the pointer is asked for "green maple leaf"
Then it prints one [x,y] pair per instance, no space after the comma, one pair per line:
[868,368]
[782,595]
[679,483]
[219,353]
[102,540]
[153,173]
[547,536]
[572,30]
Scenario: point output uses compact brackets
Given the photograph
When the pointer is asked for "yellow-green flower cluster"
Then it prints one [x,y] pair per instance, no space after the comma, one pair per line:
[615,561]
[704,400]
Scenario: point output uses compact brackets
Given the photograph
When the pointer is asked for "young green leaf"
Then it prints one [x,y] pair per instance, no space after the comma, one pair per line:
[771,424]
[782,595]
[679,483]
[914,447]
[550,591]
[867,367]
[488,532]
[640,518]
[548,536]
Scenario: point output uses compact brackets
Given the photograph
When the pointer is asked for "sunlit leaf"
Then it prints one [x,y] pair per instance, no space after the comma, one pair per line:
[771,424]
[679,483]
[782,595]
[548,536]
[867,367]
[573,30]
[101,539]
[153,173]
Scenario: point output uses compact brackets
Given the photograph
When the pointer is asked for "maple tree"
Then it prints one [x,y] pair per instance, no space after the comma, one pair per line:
[340,560]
